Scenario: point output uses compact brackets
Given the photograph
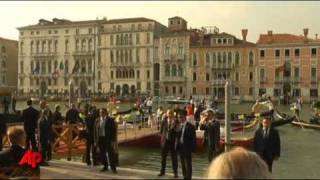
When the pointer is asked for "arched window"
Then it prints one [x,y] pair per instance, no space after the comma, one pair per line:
[167,49]
[118,40]
[111,56]
[219,58]
[229,58]
[174,70]
[55,65]
[180,50]
[43,46]
[38,46]
[237,59]
[214,59]
[55,45]
[66,46]
[77,45]
[121,39]
[126,57]
[251,58]
[130,39]
[49,67]
[224,58]
[123,74]
[31,48]
[83,45]
[22,47]
[207,59]
[83,66]
[90,45]
[118,56]
[121,56]
[167,70]
[66,67]
[180,71]
[126,39]
[194,59]
[89,65]
[49,46]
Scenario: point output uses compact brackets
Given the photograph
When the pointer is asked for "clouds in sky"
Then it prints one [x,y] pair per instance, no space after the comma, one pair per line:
[258,17]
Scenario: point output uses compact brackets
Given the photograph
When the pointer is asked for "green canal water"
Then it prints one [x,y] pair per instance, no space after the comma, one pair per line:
[300,150]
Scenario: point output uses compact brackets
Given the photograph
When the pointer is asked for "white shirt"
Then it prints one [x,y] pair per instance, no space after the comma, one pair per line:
[182,132]
[102,124]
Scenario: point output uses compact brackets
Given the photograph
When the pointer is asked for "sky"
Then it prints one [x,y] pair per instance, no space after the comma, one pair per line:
[256,16]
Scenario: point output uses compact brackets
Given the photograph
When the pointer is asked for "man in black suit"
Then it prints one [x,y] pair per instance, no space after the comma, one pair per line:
[169,130]
[30,118]
[14,154]
[105,136]
[267,143]
[186,144]
[90,121]
[211,127]
[45,136]
[72,115]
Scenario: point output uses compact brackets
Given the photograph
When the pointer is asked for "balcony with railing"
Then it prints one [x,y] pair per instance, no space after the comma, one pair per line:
[278,80]
[173,79]
[296,79]
[314,80]
[223,66]
[124,64]
[83,53]
[42,54]
[219,82]
[263,80]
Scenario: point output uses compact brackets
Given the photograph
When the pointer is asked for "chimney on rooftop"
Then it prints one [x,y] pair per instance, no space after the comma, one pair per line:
[270,33]
[244,34]
[305,32]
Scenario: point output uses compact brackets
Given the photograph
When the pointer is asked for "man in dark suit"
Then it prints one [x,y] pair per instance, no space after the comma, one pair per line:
[90,121]
[105,136]
[30,118]
[72,115]
[14,154]
[186,144]
[267,143]
[168,130]
[211,127]
[45,136]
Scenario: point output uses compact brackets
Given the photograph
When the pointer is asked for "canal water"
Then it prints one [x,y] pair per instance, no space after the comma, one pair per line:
[300,149]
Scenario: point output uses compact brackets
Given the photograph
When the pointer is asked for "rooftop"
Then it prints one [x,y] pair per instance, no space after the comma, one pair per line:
[282,39]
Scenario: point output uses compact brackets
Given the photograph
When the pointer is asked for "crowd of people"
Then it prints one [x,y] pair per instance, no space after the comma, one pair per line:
[177,128]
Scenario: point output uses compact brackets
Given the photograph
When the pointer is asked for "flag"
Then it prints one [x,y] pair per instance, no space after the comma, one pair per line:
[36,69]
[75,68]
[281,68]
[61,66]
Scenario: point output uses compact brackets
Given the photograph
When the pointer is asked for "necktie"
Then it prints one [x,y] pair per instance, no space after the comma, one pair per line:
[182,133]
[265,133]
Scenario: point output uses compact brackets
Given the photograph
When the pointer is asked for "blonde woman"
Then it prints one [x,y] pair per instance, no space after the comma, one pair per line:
[238,163]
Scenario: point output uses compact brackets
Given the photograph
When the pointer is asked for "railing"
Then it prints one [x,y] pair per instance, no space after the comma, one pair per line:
[40,54]
[223,66]
[82,53]
[174,79]
[68,140]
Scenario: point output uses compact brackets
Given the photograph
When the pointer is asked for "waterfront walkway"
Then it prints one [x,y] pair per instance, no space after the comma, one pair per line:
[62,169]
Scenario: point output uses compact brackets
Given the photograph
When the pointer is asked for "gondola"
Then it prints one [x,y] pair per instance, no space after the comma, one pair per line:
[305,124]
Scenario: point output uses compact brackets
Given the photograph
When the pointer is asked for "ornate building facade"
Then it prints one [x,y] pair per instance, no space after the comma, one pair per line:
[8,62]
[54,53]
[216,57]
[289,65]
[127,55]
